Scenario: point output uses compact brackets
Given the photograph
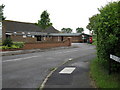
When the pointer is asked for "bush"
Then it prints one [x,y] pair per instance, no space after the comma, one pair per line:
[8,42]
[19,44]
[15,45]
[6,47]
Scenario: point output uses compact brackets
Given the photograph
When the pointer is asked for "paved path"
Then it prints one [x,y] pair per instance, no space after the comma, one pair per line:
[29,70]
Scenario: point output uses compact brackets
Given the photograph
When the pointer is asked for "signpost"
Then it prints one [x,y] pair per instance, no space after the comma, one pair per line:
[115,58]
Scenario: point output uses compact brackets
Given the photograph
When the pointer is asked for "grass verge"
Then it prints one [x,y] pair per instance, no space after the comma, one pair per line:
[101,78]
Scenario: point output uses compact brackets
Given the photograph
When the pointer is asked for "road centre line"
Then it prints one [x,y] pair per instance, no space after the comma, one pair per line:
[66,51]
[18,59]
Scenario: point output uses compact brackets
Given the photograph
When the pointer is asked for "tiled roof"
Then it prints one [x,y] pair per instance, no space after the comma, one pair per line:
[15,26]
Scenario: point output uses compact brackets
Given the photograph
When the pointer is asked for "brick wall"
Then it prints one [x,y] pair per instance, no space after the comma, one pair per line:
[19,38]
[75,39]
[38,45]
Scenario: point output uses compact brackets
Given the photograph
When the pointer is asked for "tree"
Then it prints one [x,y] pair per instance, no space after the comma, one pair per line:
[79,30]
[1,12]
[93,23]
[66,30]
[44,22]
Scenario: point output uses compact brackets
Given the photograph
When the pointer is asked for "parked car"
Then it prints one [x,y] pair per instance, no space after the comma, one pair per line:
[90,40]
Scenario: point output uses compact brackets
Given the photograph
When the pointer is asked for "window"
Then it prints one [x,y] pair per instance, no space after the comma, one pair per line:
[62,38]
[24,36]
[7,36]
[23,32]
[29,35]
[39,38]
[33,36]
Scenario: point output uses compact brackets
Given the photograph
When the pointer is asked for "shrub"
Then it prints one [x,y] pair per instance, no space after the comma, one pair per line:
[19,44]
[15,45]
[8,42]
[6,47]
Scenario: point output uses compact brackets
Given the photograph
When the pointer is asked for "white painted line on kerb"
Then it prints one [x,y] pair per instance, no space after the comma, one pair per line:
[18,59]
[67,70]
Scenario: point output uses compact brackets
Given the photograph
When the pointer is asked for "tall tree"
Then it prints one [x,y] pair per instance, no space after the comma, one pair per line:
[1,12]
[44,22]
[79,30]
[93,23]
[66,30]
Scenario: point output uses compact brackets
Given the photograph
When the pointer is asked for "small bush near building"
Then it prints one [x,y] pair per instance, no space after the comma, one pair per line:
[18,44]
[7,42]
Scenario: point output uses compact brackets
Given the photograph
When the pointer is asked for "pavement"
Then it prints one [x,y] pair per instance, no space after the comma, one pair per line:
[79,78]
[8,53]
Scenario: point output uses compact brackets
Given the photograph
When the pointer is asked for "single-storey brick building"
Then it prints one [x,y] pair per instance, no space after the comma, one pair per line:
[29,32]
[25,32]
[76,37]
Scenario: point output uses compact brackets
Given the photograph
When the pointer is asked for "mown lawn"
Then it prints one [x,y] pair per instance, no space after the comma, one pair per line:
[101,77]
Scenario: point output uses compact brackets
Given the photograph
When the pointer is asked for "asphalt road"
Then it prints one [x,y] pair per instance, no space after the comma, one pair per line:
[29,70]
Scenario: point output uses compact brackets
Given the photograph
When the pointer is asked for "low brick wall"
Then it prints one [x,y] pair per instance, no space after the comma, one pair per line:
[49,44]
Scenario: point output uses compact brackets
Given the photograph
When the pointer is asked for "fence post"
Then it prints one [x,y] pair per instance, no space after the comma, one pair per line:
[109,72]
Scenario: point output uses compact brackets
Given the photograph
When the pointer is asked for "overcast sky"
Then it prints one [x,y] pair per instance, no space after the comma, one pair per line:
[63,13]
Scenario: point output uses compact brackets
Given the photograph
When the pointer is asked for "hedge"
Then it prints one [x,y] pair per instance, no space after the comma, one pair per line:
[106,25]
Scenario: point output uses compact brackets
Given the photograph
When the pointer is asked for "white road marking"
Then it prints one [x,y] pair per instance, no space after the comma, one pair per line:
[18,59]
[70,59]
[66,51]
[67,70]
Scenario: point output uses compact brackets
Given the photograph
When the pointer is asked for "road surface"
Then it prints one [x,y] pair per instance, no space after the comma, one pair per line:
[29,70]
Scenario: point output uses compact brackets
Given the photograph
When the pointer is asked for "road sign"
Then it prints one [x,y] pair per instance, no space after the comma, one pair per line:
[115,58]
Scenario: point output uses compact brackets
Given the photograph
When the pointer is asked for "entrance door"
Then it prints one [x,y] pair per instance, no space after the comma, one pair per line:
[39,38]
[62,38]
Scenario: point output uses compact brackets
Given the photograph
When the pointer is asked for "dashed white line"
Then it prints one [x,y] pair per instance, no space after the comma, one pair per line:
[19,59]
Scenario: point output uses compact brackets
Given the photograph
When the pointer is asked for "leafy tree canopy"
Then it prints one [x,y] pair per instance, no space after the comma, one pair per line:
[1,12]
[44,22]
[79,30]
[93,23]
[66,30]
